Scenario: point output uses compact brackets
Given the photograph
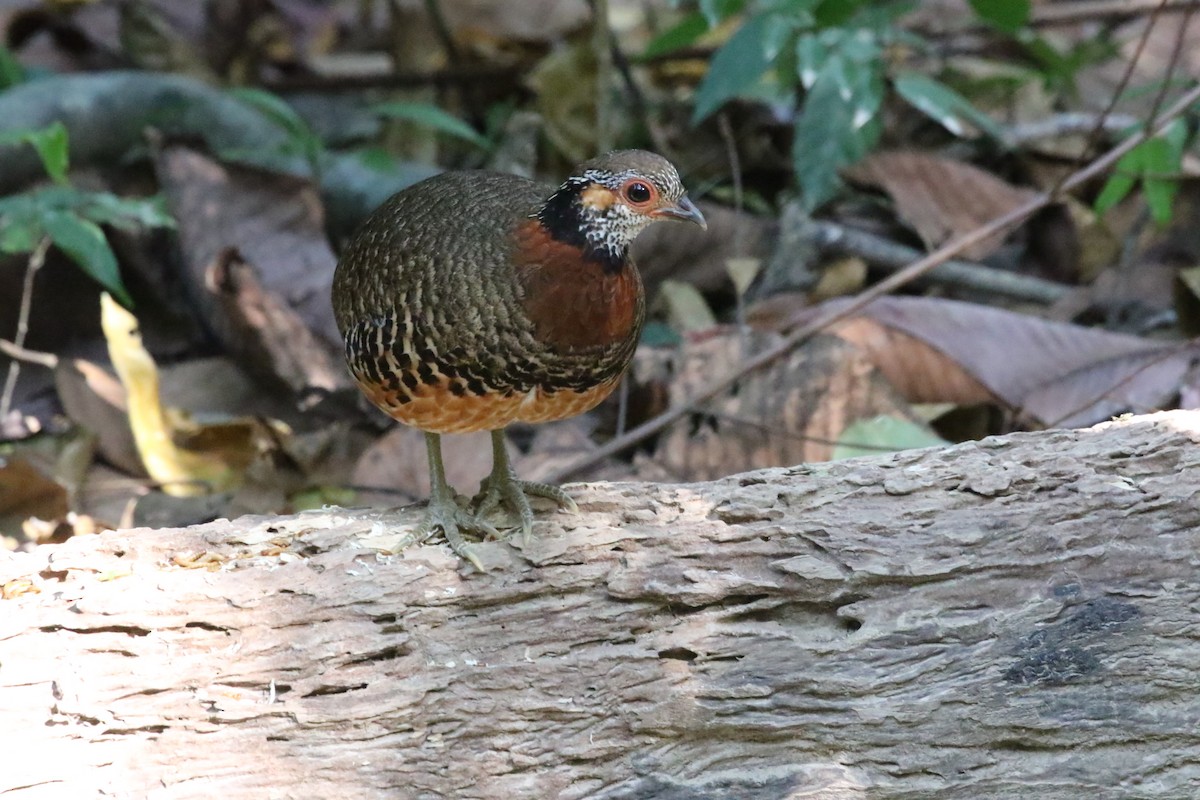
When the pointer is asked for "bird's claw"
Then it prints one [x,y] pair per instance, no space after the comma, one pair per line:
[452,520]
[514,494]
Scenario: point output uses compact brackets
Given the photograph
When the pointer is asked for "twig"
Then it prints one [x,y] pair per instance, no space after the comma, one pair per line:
[36,259]
[735,170]
[1049,14]
[830,236]
[887,285]
[27,356]
[637,101]
[1172,64]
[602,46]
[1094,136]
[1067,124]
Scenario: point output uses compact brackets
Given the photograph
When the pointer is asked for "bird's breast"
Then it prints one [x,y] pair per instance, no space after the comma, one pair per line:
[575,304]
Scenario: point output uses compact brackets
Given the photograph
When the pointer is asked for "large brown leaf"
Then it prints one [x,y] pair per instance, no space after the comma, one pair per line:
[939,197]
[1056,373]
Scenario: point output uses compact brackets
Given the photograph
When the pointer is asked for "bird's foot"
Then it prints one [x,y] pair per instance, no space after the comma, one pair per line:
[512,493]
[452,520]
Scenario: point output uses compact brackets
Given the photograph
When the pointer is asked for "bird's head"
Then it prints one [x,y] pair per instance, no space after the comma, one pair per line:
[609,200]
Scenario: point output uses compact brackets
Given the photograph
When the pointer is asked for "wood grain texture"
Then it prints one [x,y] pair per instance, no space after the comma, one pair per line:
[1010,618]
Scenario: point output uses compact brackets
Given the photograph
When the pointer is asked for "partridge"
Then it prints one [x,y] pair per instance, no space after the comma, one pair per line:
[473,300]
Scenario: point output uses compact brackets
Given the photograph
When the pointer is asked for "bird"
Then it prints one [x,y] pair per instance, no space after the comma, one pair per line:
[473,299]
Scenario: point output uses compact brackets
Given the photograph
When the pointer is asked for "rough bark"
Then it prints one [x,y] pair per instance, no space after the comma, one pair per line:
[1010,618]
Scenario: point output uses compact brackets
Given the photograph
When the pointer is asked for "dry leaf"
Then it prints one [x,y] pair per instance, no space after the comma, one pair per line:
[95,400]
[275,222]
[843,276]
[792,412]
[27,493]
[181,472]
[267,335]
[187,458]
[1058,374]
[941,198]
[919,371]
[742,271]
[687,310]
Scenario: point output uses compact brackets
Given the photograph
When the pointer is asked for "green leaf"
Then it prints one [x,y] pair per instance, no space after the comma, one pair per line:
[811,53]
[1159,167]
[274,108]
[883,434]
[736,67]
[686,32]
[84,242]
[800,12]
[1155,162]
[11,71]
[433,117]
[129,214]
[51,145]
[944,105]
[778,37]
[864,82]
[49,142]
[1120,183]
[302,140]
[1006,15]
[17,237]
[826,137]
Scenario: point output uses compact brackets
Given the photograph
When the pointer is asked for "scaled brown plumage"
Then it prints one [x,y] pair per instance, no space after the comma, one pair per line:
[473,300]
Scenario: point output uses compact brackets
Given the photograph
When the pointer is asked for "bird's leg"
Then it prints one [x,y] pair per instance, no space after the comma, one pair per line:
[444,513]
[503,487]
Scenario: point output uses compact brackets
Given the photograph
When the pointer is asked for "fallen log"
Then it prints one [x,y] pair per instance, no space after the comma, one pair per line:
[1009,618]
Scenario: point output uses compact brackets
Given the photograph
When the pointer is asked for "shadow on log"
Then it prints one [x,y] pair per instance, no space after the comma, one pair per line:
[1009,618]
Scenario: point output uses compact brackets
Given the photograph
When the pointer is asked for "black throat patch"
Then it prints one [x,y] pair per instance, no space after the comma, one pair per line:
[566,220]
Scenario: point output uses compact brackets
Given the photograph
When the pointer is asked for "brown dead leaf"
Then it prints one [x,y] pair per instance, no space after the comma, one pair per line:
[920,372]
[792,412]
[26,492]
[939,197]
[1056,373]
[267,335]
[95,400]
[275,221]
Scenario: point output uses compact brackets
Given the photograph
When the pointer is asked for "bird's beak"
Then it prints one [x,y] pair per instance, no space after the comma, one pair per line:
[685,210]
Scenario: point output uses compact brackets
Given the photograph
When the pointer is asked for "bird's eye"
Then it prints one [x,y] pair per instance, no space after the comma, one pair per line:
[638,192]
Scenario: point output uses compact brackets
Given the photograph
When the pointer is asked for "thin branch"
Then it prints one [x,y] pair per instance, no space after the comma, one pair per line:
[1067,124]
[832,237]
[602,46]
[1051,14]
[1093,138]
[903,277]
[27,356]
[36,259]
